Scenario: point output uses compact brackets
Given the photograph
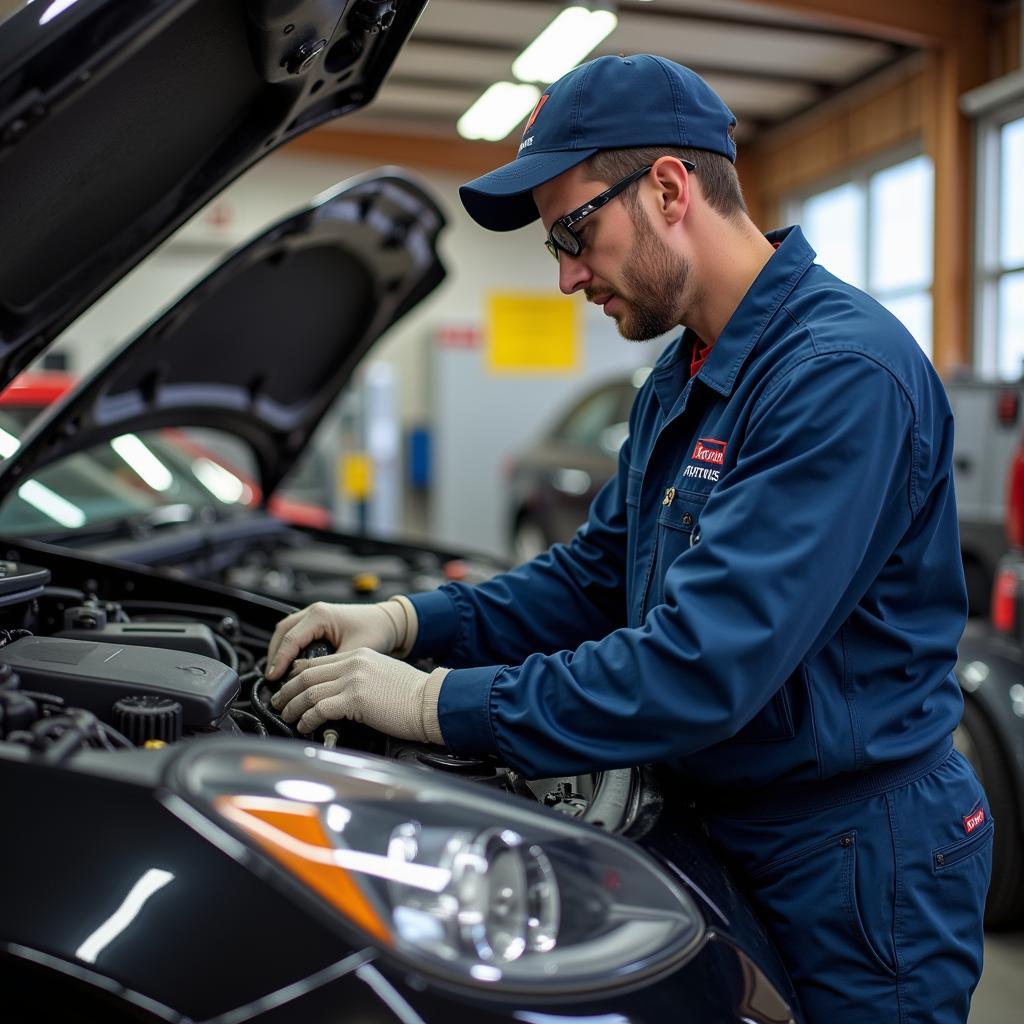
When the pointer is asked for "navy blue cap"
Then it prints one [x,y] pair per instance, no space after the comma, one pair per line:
[607,103]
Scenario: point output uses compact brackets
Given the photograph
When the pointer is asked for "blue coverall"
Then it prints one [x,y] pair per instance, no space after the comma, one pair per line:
[768,597]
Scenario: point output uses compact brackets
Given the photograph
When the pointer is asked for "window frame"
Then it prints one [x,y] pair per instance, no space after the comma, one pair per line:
[860,174]
[987,270]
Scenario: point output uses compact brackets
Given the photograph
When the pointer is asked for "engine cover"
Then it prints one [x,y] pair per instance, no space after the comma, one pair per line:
[95,676]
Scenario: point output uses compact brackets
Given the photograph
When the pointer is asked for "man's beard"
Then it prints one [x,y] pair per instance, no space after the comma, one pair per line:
[657,279]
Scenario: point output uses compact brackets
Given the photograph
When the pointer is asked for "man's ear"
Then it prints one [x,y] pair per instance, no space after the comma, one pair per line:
[674,192]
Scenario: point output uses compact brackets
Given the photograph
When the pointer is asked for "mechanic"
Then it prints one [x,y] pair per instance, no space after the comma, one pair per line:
[768,595]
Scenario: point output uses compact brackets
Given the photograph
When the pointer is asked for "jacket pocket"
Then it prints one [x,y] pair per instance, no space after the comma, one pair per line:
[775,720]
[678,530]
[812,897]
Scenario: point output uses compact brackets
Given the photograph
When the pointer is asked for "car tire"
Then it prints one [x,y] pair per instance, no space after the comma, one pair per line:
[528,539]
[978,742]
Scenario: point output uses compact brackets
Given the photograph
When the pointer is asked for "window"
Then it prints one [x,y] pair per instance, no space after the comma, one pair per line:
[875,231]
[999,285]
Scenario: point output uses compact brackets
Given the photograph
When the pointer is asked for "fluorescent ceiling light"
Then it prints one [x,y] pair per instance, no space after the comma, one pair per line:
[51,504]
[143,461]
[498,111]
[563,44]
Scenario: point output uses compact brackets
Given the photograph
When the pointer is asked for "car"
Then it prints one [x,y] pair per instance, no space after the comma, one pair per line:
[990,667]
[173,852]
[552,483]
[168,467]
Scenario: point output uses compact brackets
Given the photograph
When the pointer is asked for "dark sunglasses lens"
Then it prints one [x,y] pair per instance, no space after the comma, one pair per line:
[565,239]
[550,246]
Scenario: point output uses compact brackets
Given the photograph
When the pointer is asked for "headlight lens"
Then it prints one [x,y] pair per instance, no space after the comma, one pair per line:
[470,885]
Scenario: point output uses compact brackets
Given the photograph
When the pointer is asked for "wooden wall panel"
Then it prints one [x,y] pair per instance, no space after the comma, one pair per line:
[1005,42]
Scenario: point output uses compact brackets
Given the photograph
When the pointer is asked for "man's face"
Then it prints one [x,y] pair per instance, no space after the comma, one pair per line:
[625,266]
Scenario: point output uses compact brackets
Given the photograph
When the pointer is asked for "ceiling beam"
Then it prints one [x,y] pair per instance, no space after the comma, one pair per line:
[924,23]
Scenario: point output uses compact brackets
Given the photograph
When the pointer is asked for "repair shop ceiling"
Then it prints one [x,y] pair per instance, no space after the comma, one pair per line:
[767,62]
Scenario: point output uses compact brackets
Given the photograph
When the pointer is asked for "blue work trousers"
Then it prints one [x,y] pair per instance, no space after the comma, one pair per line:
[875,904]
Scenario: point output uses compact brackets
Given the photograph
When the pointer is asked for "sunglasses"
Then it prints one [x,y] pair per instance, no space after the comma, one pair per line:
[562,237]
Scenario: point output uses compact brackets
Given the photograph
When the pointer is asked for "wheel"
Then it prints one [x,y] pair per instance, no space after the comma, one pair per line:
[529,540]
[977,741]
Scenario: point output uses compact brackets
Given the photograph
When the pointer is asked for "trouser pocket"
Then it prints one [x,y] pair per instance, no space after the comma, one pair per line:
[813,901]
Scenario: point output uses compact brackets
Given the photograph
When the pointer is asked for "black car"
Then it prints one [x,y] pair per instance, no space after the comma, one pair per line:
[553,482]
[171,852]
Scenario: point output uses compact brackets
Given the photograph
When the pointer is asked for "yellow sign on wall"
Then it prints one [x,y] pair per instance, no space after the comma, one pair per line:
[356,476]
[532,332]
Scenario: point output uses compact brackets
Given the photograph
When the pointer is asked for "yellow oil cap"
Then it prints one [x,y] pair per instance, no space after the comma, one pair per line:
[154,745]
[365,582]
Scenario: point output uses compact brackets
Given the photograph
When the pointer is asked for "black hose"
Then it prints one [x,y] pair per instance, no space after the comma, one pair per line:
[228,654]
[265,712]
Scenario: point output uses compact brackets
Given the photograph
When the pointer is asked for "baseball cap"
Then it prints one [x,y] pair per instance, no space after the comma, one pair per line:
[607,103]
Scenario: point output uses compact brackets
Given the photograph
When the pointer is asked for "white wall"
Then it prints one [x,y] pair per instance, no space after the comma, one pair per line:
[478,262]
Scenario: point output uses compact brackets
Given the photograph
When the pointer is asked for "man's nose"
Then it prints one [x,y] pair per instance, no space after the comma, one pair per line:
[573,273]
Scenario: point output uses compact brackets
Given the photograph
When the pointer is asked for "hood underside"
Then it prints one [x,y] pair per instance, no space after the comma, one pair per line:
[263,345]
[119,119]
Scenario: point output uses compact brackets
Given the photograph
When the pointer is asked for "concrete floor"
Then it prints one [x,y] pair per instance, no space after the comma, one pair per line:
[999,998]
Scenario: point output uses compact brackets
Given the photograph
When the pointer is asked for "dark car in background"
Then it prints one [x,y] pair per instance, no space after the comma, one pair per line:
[552,483]
[172,853]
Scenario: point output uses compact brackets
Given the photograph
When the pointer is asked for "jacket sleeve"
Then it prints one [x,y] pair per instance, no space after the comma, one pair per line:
[791,538]
[571,593]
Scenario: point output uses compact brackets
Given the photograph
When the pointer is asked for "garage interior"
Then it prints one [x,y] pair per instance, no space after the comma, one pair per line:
[892,131]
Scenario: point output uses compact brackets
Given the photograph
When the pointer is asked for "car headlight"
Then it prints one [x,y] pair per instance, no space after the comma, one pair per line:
[467,884]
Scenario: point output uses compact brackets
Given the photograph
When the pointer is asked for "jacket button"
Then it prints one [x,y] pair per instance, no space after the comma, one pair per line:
[687,519]
[670,495]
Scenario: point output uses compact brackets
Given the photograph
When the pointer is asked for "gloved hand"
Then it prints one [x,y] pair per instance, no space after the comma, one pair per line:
[365,686]
[388,627]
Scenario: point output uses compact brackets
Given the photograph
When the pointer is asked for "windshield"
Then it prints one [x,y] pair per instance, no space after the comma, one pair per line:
[132,476]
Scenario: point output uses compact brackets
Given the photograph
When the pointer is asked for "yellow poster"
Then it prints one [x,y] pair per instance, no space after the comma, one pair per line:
[532,332]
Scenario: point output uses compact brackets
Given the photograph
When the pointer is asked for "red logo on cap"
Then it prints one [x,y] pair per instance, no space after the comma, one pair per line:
[536,111]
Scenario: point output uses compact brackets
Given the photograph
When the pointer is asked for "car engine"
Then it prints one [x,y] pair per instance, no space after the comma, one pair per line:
[80,668]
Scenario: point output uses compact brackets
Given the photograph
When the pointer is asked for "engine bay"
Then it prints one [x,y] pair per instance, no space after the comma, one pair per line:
[124,659]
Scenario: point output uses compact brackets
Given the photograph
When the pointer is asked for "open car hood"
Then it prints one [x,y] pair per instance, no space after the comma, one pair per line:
[262,346]
[120,118]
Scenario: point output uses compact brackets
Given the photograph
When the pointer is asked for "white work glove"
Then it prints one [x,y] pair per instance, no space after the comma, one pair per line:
[365,686]
[389,627]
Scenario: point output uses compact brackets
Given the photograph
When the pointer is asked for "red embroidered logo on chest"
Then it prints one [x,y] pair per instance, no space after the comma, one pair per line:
[708,449]
[972,821]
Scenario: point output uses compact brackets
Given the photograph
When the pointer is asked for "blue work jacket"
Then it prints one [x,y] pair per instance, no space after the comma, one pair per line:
[769,590]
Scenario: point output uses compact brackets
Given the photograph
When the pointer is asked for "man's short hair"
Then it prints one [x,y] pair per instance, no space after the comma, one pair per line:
[719,182]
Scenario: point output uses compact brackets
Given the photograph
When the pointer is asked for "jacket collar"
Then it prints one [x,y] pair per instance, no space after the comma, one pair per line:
[770,289]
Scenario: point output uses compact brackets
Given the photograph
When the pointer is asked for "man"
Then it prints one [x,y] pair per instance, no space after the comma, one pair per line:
[767,596]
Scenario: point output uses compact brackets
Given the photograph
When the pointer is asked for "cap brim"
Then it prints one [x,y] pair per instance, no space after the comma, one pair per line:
[501,200]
